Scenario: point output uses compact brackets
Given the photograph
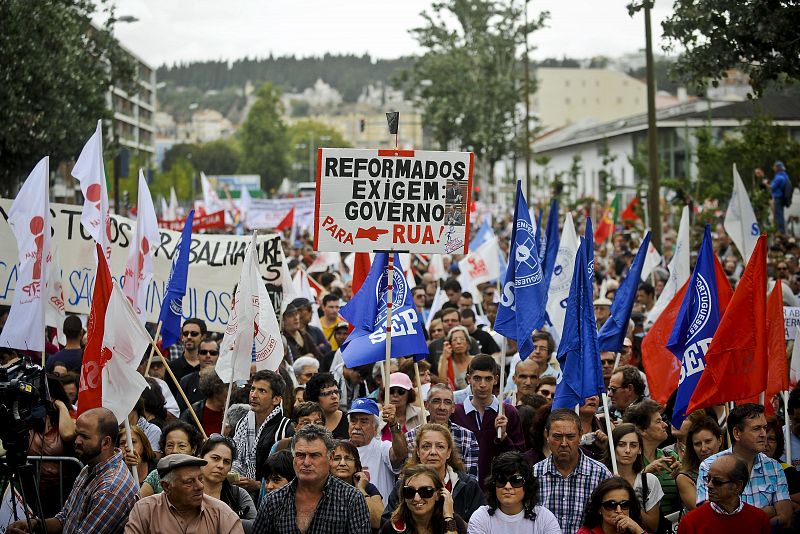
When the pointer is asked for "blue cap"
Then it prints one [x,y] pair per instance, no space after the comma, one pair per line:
[779,165]
[364,405]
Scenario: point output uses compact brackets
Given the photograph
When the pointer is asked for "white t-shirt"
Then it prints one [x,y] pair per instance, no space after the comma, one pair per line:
[654,491]
[482,523]
[375,461]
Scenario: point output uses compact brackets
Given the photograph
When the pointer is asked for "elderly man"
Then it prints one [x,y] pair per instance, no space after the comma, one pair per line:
[725,511]
[568,477]
[525,378]
[315,501]
[625,387]
[767,488]
[182,506]
[103,493]
[382,459]
[440,406]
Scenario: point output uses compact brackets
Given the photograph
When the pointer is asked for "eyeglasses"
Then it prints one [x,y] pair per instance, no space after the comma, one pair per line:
[397,391]
[203,352]
[439,402]
[426,492]
[346,459]
[543,348]
[613,389]
[716,481]
[190,333]
[612,505]
[607,362]
[328,393]
[517,481]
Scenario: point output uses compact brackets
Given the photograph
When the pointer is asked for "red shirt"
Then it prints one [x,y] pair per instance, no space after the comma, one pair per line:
[212,421]
[704,519]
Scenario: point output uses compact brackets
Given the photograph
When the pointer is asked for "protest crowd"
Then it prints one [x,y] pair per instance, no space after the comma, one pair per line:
[586,407]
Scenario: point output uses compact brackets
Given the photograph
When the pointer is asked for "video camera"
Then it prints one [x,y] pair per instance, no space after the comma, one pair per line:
[24,397]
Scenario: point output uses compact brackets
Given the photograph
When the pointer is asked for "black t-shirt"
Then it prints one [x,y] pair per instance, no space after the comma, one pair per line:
[72,358]
[488,345]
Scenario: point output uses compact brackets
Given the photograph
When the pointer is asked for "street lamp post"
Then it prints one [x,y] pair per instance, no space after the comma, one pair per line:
[311,146]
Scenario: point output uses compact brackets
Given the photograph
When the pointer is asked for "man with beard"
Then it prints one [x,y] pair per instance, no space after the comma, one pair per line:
[104,492]
[192,331]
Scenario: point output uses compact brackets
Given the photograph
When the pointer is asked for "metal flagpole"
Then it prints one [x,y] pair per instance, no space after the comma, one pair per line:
[608,431]
[502,381]
[389,299]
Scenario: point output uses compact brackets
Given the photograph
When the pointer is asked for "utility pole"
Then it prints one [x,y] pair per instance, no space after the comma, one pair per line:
[653,192]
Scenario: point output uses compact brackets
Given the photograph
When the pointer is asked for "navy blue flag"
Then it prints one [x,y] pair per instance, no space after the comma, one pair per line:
[698,319]
[524,297]
[613,331]
[541,238]
[172,306]
[578,353]
[367,312]
[552,241]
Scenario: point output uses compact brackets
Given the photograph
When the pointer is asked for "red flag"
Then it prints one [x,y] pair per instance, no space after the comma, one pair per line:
[778,372]
[629,214]
[361,266]
[95,356]
[736,360]
[287,222]
[657,359]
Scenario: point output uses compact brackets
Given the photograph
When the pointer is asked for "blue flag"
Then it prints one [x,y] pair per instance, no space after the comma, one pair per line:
[578,353]
[483,233]
[698,319]
[367,312]
[524,297]
[172,306]
[551,243]
[613,331]
[541,238]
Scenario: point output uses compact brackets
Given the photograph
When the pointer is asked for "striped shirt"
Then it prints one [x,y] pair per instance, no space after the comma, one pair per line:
[766,487]
[567,496]
[463,439]
[101,499]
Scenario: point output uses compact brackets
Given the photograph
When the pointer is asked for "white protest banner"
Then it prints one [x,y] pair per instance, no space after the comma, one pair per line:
[215,262]
[791,320]
[405,200]
[266,213]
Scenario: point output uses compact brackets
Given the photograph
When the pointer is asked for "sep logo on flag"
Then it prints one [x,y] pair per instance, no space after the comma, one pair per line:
[528,271]
[398,293]
[176,306]
[560,281]
[703,299]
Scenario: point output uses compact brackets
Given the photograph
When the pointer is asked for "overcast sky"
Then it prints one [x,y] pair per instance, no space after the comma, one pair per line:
[178,30]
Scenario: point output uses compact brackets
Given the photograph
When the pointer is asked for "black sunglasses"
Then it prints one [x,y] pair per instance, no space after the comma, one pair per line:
[190,333]
[612,505]
[517,481]
[397,391]
[426,492]
[203,352]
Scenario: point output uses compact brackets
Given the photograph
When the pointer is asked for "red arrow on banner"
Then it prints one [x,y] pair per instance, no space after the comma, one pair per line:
[372,233]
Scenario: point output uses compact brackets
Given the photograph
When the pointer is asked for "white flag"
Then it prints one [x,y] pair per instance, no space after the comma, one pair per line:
[439,298]
[127,340]
[91,173]
[173,204]
[740,220]
[252,321]
[482,264]
[245,201]
[323,261]
[54,306]
[164,209]
[287,287]
[651,261]
[679,269]
[794,365]
[558,292]
[29,218]
[210,197]
[139,268]
[436,267]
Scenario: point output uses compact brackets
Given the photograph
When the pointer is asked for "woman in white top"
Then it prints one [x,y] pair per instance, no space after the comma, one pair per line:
[629,447]
[512,493]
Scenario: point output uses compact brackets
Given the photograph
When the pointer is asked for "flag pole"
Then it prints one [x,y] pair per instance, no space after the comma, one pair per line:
[150,358]
[228,397]
[787,430]
[502,380]
[129,443]
[389,299]
[419,391]
[609,430]
[762,398]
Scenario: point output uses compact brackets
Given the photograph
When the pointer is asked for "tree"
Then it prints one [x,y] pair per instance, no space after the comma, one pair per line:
[179,176]
[55,68]
[218,157]
[264,139]
[757,38]
[468,80]
[305,137]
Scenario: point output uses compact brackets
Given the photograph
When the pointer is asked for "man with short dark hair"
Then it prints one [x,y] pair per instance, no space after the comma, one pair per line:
[767,488]
[186,360]
[484,338]
[452,288]
[330,318]
[725,511]
[210,408]
[419,296]
[182,506]
[625,387]
[315,502]
[306,310]
[260,428]
[645,297]
[480,414]
[103,493]
[208,353]
[72,353]
[568,477]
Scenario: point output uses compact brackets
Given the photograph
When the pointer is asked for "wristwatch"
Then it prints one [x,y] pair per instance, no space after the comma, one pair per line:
[450,524]
[395,427]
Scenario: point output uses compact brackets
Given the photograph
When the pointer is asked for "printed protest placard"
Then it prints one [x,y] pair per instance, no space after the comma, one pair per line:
[791,319]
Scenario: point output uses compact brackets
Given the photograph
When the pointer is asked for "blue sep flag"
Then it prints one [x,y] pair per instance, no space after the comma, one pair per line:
[698,319]
[578,353]
[367,312]
[551,243]
[612,333]
[524,297]
[172,306]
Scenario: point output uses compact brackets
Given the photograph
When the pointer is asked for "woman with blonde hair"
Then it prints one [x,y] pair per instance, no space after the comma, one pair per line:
[142,456]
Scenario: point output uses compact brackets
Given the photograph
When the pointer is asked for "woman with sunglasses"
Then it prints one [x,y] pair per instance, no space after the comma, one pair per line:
[512,493]
[629,447]
[346,465]
[178,437]
[613,509]
[403,397]
[219,452]
[426,507]
[434,447]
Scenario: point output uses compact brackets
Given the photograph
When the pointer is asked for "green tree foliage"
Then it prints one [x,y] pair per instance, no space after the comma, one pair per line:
[54,77]
[468,80]
[305,137]
[264,139]
[758,38]
[179,176]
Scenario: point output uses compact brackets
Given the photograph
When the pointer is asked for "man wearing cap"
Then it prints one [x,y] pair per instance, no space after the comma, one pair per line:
[103,493]
[182,506]
[380,459]
[602,311]
[314,332]
[300,341]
